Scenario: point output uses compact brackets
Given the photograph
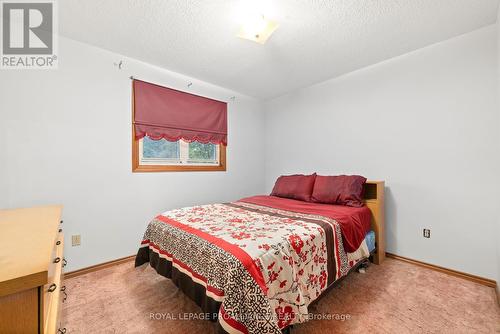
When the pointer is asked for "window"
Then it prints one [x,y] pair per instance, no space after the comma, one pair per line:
[180,153]
[161,112]
[161,150]
[163,155]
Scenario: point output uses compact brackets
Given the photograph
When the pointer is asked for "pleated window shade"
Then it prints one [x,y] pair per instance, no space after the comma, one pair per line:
[161,112]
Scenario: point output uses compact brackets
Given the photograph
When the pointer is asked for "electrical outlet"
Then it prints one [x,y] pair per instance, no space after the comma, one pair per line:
[76,240]
[427,233]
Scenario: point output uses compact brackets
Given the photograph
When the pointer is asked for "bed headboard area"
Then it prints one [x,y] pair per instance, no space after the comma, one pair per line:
[374,200]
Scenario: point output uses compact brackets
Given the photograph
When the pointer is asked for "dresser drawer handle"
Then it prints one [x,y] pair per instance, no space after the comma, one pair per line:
[61,330]
[52,288]
[61,221]
[63,288]
[58,242]
[65,262]
[57,260]
[60,230]
[65,296]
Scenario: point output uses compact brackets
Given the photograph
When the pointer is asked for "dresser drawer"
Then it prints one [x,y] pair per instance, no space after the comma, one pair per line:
[51,296]
[56,258]
[29,303]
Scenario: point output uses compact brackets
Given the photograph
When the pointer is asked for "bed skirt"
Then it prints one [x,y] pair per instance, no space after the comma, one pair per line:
[194,291]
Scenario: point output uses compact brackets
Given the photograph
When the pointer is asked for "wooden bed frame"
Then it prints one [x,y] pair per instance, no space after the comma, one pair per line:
[374,200]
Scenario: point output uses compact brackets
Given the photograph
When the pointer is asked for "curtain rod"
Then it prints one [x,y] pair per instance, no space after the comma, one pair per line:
[232,98]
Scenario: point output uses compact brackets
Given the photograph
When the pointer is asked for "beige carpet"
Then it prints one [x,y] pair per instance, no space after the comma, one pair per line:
[395,297]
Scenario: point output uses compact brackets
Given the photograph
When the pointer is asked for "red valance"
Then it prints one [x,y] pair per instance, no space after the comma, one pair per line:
[161,112]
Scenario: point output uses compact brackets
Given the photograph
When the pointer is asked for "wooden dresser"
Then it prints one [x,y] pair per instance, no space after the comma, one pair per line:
[31,270]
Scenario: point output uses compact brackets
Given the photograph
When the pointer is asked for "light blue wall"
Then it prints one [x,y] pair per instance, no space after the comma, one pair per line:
[427,123]
[66,138]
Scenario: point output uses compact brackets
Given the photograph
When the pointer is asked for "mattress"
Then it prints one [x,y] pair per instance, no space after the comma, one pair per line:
[370,241]
[256,263]
[363,251]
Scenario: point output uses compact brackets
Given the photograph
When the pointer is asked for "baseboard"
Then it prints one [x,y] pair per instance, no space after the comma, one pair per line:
[99,266]
[478,279]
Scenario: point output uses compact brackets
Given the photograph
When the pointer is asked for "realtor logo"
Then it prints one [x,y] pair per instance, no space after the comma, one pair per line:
[28,34]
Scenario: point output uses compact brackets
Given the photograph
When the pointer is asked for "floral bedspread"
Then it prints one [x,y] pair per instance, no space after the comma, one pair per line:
[264,265]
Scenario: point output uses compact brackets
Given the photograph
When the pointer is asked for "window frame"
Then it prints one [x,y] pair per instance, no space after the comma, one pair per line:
[138,168]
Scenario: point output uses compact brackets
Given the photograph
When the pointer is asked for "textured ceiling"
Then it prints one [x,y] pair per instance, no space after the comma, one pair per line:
[316,40]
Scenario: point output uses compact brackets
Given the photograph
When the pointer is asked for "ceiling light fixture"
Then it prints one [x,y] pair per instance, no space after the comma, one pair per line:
[257,29]
[255,25]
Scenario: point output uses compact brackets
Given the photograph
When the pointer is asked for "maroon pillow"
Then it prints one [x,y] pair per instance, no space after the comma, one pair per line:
[342,190]
[294,186]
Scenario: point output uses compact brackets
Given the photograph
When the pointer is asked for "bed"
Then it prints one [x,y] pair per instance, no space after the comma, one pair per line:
[255,265]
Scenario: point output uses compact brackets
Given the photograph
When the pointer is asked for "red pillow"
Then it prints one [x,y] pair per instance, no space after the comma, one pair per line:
[294,186]
[343,190]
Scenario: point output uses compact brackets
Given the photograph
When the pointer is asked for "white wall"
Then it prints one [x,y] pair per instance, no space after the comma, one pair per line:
[498,111]
[66,138]
[427,123]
